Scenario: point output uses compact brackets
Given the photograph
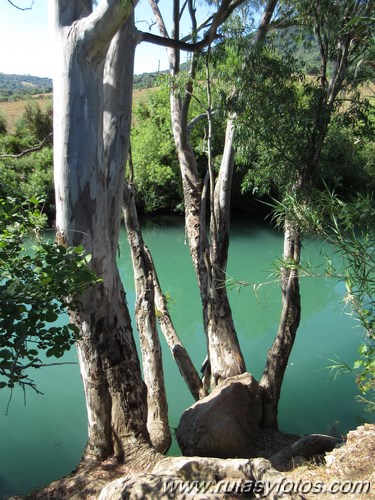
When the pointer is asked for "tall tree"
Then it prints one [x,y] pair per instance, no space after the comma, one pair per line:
[209,255]
[294,117]
[89,173]
[92,115]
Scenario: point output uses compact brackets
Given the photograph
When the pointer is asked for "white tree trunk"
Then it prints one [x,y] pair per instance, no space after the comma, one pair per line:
[88,214]
[157,407]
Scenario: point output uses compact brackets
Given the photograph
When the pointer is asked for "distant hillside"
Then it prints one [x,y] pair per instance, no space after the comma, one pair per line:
[304,49]
[13,87]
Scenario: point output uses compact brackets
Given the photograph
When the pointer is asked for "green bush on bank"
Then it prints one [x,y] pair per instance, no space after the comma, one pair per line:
[156,173]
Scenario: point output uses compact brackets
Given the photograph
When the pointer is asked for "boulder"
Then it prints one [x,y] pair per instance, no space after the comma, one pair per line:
[225,423]
[312,446]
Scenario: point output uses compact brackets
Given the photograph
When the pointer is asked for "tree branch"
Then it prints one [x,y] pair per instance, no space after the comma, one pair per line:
[195,120]
[227,7]
[21,8]
[31,150]
[265,22]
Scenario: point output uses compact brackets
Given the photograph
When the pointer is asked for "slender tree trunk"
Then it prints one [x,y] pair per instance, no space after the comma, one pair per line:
[85,189]
[157,420]
[178,350]
[156,303]
[222,337]
[278,355]
[223,348]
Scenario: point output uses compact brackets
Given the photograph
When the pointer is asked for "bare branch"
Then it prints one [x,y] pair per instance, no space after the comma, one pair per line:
[226,8]
[21,8]
[195,120]
[31,150]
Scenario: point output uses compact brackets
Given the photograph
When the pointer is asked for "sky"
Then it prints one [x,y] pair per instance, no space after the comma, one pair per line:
[26,43]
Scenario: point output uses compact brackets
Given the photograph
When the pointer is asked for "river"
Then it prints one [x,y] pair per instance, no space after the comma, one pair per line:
[44,438]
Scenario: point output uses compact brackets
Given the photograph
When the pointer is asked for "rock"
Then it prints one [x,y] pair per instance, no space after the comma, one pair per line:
[201,478]
[307,447]
[354,460]
[225,423]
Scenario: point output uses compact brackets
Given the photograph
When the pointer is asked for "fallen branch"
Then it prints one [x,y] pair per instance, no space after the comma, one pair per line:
[31,150]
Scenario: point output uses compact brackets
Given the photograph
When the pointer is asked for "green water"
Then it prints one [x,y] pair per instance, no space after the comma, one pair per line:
[43,440]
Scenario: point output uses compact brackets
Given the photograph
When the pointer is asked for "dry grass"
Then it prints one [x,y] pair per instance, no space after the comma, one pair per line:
[350,463]
[13,110]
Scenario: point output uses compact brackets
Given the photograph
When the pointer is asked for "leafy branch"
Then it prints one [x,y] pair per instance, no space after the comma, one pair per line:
[40,280]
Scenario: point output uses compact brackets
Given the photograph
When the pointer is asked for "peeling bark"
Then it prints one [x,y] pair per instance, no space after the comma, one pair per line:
[157,417]
[224,352]
[85,189]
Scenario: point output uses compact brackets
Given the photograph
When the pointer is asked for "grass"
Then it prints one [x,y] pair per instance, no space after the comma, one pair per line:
[13,110]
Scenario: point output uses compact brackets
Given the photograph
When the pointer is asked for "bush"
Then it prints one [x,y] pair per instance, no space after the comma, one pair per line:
[37,285]
[31,175]
[347,164]
[3,124]
[156,169]
[35,122]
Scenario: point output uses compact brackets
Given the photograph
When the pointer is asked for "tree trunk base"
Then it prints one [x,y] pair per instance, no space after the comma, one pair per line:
[90,477]
[150,475]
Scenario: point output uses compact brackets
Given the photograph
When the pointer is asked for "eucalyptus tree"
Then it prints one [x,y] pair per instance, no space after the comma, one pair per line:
[209,252]
[92,115]
[290,119]
[89,174]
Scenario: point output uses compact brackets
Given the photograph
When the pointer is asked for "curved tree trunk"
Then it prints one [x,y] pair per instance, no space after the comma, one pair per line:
[278,355]
[178,350]
[87,192]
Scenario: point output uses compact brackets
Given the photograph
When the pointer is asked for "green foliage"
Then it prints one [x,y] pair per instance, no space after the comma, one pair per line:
[286,129]
[31,175]
[279,106]
[156,170]
[39,281]
[35,122]
[347,162]
[3,125]
[146,80]
[14,145]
